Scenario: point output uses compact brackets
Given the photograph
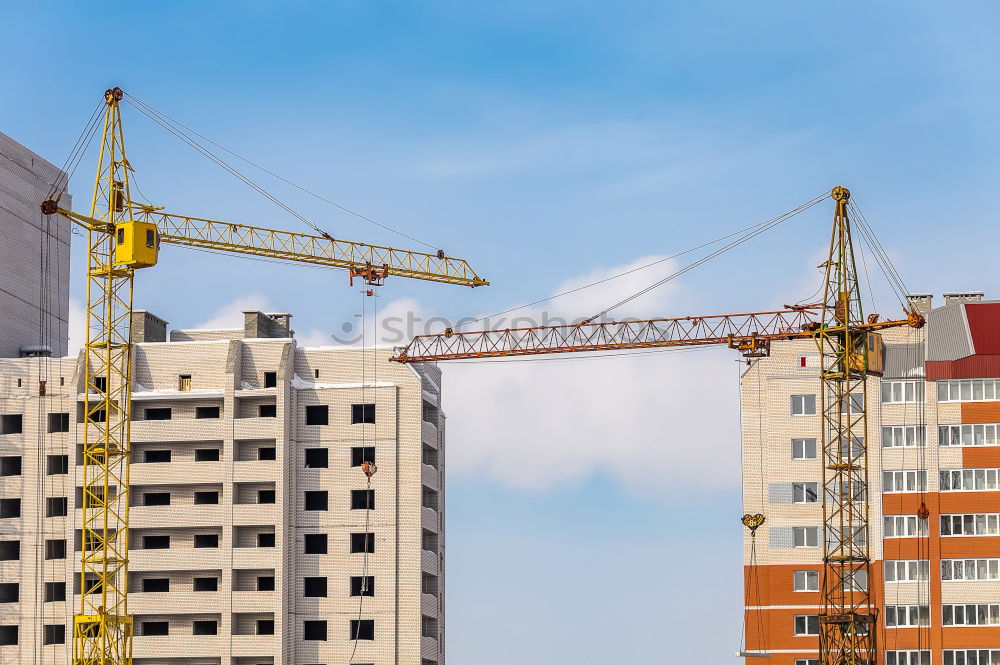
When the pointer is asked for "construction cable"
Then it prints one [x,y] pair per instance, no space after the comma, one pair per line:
[744,230]
[735,243]
[277,176]
[225,166]
[878,250]
[76,153]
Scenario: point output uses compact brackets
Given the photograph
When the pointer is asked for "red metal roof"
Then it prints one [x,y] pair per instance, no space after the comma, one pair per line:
[970,367]
[984,324]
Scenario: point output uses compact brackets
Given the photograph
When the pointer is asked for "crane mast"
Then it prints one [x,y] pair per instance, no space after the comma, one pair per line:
[847,621]
[123,236]
[845,338]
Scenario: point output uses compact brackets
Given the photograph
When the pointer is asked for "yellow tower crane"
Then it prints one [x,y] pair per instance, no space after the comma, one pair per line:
[123,236]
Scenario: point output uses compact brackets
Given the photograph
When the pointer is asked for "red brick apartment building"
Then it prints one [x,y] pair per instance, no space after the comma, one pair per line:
[934,437]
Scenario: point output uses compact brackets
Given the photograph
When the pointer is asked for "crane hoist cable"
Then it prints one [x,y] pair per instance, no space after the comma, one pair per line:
[178,124]
[770,224]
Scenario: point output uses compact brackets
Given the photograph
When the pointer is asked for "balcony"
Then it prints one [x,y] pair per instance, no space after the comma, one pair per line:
[429,648]
[188,646]
[250,514]
[256,557]
[429,433]
[430,476]
[181,429]
[179,602]
[429,605]
[174,473]
[256,601]
[255,471]
[256,428]
[429,562]
[429,519]
[184,515]
[180,558]
[253,645]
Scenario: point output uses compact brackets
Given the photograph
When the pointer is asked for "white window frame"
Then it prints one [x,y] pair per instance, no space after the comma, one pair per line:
[904,571]
[912,527]
[805,492]
[904,481]
[806,531]
[809,622]
[970,570]
[904,436]
[803,445]
[983,656]
[806,661]
[952,613]
[970,525]
[969,480]
[968,390]
[912,616]
[902,392]
[971,435]
[805,580]
[803,403]
[908,657]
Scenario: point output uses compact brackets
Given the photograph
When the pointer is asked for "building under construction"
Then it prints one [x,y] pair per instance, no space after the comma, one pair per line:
[287,503]
[934,493]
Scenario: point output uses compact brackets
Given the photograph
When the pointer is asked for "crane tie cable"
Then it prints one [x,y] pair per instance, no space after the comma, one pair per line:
[766,226]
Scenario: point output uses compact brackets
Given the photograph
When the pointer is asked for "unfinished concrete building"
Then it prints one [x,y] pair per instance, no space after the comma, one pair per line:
[255,536]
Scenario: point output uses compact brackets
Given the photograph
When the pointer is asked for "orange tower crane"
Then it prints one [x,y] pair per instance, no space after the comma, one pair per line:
[848,344]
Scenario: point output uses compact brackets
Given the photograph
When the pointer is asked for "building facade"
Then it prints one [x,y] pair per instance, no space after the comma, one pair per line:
[255,535]
[933,421]
[34,254]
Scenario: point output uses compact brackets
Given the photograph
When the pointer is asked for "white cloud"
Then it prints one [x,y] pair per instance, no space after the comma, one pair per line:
[230,315]
[655,422]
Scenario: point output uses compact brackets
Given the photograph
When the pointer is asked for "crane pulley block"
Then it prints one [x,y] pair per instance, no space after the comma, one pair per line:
[137,244]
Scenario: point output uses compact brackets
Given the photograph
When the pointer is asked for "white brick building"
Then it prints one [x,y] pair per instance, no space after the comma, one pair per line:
[248,516]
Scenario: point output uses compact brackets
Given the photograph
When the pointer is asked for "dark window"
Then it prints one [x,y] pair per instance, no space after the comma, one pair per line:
[265,540]
[56,506]
[265,626]
[317,458]
[206,540]
[156,585]
[267,411]
[155,628]
[156,456]
[428,626]
[97,416]
[156,499]
[270,379]
[10,507]
[317,500]
[265,496]
[430,456]
[206,412]
[363,586]
[54,633]
[55,592]
[10,550]
[206,584]
[429,583]
[362,454]
[55,549]
[206,455]
[314,587]
[265,583]
[10,466]
[58,422]
[159,542]
[92,585]
[315,543]
[11,424]
[429,498]
[314,630]
[362,413]
[206,627]
[202,498]
[362,499]
[57,464]
[160,413]
[363,629]
[267,454]
[318,414]
[8,635]
[362,542]
[429,541]
[9,592]
[315,373]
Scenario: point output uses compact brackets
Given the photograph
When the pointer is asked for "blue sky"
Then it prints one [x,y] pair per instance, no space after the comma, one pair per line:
[551,143]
